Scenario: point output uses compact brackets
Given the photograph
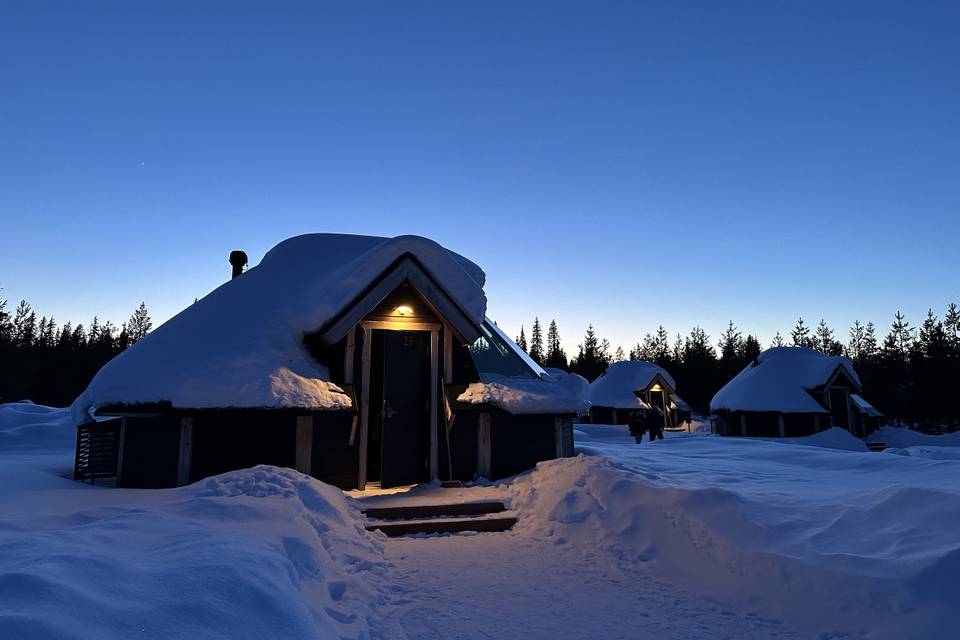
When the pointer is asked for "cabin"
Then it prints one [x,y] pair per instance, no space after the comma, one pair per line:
[793,391]
[636,385]
[361,361]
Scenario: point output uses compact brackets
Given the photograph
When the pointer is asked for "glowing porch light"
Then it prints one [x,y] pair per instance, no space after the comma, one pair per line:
[656,387]
[403,310]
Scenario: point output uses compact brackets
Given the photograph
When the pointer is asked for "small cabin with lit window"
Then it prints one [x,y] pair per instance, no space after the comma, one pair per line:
[358,360]
[793,391]
[636,385]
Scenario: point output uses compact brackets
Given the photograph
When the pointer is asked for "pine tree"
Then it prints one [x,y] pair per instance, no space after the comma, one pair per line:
[522,339]
[106,337]
[677,354]
[536,342]
[556,356]
[731,346]
[824,342]
[41,329]
[701,371]
[731,342]
[123,339]
[777,341]
[603,353]
[6,324]
[951,325]
[648,350]
[751,349]
[869,348]
[854,347]
[661,347]
[589,362]
[93,336]
[78,339]
[20,318]
[28,336]
[900,339]
[932,341]
[636,352]
[619,356]
[139,324]
[801,335]
[66,334]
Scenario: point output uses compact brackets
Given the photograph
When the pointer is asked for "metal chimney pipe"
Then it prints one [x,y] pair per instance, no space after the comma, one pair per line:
[239,260]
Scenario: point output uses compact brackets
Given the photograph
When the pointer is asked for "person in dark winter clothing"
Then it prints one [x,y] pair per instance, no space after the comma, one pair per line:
[653,424]
[635,421]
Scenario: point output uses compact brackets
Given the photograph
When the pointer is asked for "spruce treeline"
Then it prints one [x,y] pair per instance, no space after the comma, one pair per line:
[908,374]
[52,364]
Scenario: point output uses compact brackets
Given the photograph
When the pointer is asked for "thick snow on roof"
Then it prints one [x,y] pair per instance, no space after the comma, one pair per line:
[615,388]
[242,344]
[779,380]
[556,391]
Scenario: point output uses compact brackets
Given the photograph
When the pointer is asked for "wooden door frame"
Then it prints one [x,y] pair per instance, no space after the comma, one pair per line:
[368,326]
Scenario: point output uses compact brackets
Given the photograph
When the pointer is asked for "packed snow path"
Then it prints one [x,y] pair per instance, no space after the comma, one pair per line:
[504,586]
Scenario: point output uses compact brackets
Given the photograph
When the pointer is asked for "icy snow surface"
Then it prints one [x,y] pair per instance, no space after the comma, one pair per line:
[779,381]
[615,388]
[690,537]
[242,345]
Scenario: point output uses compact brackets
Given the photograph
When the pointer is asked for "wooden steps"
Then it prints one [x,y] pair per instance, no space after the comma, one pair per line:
[434,510]
[404,520]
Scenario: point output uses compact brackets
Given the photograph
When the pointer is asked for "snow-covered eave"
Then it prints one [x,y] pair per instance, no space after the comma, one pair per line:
[119,409]
[768,409]
[407,267]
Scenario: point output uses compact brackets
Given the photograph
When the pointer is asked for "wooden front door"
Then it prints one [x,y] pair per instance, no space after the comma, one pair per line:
[405,437]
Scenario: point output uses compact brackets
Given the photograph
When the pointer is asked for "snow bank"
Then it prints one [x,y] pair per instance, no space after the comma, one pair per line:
[878,564]
[778,380]
[241,345]
[24,425]
[832,438]
[902,437]
[554,393]
[931,453]
[263,552]
[615,388]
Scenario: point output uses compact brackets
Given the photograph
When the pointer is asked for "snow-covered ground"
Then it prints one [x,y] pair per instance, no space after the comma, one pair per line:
[695,536]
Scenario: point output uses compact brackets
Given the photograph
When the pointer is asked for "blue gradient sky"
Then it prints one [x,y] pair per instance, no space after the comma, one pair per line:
[621,163]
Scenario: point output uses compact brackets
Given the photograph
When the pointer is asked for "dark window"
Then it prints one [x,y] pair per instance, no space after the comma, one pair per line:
[494,357]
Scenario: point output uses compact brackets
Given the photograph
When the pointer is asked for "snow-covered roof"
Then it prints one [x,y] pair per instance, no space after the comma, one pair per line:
[556,391]
[242,344]
[865,407]
[779,380]
[617,386]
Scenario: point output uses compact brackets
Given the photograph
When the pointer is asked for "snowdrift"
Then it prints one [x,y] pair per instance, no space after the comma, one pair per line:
[882,566]
[263,552]
[832,438]
[28,426]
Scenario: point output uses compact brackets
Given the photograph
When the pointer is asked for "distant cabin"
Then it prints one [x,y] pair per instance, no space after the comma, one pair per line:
[358,360]
[636,385]
[793,391]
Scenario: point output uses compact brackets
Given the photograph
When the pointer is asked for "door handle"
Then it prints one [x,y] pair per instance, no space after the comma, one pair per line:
[388,411]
